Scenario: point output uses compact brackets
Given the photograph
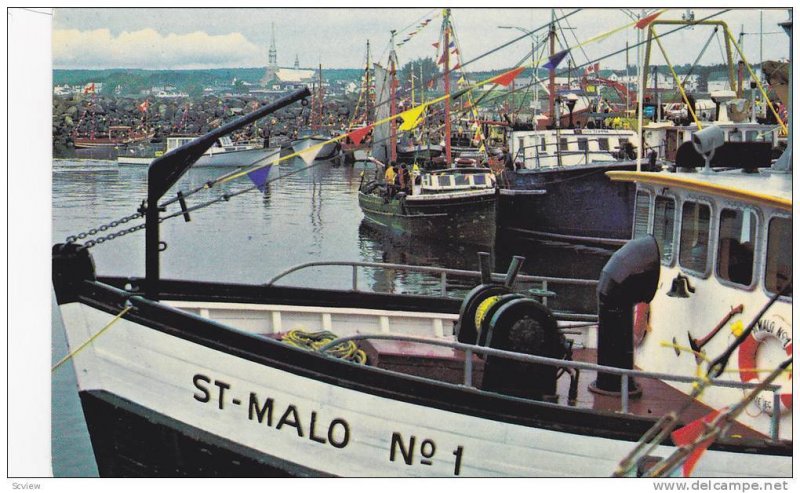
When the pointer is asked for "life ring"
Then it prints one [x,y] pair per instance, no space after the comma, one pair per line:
[766,328]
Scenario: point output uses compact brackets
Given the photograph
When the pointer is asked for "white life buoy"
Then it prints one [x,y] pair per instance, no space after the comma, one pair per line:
[775,328]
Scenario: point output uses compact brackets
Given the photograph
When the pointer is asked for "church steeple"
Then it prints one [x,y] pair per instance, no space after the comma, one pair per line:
[273,51]
[296,63]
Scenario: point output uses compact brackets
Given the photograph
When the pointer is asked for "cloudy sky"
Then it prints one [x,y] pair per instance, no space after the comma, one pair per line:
[207,37]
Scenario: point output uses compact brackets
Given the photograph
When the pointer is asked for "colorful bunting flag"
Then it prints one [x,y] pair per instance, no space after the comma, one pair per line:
[506,78]
[358,135]
[592,69]
[554,60]
[441,59]
[688,434]
[259,177]
[310,154]
[458,66]
[452,44]
[143,107]
[436,44]
[645,21]
[411,118]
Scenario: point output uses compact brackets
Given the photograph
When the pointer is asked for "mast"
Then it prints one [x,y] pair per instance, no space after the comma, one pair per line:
[447,130]
[393,99]
[366,90]
[552,71]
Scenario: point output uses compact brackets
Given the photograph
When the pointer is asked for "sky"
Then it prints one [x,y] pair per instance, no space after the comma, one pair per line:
[184,38]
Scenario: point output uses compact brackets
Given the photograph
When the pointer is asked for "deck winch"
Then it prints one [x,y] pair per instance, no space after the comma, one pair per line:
[493,316]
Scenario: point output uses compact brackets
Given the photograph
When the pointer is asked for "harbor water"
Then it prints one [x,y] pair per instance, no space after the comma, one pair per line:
[309,215]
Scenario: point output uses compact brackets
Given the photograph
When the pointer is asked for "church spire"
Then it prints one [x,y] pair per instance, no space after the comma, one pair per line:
[273,51]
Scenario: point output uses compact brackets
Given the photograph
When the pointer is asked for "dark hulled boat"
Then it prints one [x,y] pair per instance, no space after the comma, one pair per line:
[454,203]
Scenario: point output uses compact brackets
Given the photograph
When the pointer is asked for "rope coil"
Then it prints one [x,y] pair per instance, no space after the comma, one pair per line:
[313,341]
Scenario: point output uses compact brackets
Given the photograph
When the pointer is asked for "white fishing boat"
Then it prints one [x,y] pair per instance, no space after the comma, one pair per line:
[201,378]
[225,153]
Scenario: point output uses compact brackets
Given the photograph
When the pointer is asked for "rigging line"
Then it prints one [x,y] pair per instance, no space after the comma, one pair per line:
[569,27]
[239,174]
[519,38]
[697,60]
[89,341]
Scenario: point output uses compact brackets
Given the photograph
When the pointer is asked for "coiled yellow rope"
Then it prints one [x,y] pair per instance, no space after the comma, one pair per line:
[313,341]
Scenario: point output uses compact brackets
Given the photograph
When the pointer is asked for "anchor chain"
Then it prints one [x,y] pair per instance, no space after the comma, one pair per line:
[106,227]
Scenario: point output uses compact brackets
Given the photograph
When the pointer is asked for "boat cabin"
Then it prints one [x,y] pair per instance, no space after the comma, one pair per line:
[458,179]
[725,242]
[550,148]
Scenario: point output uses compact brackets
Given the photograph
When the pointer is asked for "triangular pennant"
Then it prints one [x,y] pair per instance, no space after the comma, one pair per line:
[452,44]
[554,60]
[310,154]
[645,21]
[441,59]
[454,52]
[506,78]
[259,177]
[458,66]
[436,44]
[688,434]
[358,135]
[411,118]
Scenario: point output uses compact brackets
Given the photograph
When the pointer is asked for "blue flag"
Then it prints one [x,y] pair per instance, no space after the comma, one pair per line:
[555,59]
[259,177]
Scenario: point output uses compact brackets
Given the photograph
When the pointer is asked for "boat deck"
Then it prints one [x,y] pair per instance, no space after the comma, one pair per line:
[447,365]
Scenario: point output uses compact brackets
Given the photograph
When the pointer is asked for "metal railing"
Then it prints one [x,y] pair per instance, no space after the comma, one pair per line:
[626,375]
[443,274]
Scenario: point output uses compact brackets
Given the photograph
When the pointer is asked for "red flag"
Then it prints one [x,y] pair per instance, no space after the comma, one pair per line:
[506,78]
[441,59]
[358,135]
[690,433]
[436,44]
[143,107]
[89,88]
[645,21]
[458,65]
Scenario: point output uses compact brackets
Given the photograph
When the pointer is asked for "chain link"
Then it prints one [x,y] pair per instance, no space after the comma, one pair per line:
[106,227]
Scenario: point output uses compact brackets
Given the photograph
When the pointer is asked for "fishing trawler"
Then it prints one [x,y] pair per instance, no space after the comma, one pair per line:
[203,378]
[452,203]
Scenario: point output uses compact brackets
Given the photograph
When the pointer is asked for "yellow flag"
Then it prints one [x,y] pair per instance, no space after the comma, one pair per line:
[411,118]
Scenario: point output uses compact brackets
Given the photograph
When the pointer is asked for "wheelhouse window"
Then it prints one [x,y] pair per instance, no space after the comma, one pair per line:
[779,255]
[737,239]
[664,227]
[641,218]
[603,143]
[563,144]
[479,179]
[543,141]
[582,144]
[445,180]
[462,180]
[695,224]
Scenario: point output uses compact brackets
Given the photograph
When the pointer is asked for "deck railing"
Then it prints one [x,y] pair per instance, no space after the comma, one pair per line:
[443,273]
[625,374]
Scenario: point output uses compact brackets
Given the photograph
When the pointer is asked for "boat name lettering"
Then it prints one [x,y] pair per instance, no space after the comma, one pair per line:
[336,432]
[775,326]
[405,450]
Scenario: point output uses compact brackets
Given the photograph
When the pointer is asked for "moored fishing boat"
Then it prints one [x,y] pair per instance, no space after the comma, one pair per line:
[223,154]
[454,203]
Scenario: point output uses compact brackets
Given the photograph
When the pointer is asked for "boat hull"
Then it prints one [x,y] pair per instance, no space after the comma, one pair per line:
[328,151]
[576,203]
[468,218]
[168,393]
[410,154]
[226,159]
